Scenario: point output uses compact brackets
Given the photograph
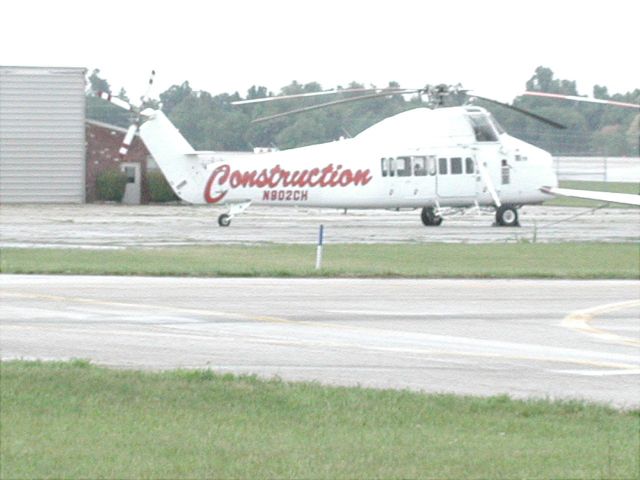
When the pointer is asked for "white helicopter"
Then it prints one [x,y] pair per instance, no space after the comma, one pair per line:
[424,158]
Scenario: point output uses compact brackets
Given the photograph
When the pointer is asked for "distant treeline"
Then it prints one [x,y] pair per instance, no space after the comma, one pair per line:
[211,123]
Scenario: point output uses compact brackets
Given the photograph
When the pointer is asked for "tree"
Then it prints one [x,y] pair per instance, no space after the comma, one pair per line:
[97,84]
[175,95]
[211,122]
[257,92]
[101,110]
[543,81]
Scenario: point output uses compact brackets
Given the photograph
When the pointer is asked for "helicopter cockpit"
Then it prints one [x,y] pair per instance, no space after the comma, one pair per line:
[485,127]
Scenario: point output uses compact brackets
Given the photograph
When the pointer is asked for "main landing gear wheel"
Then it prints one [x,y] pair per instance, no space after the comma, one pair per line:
[429,217]
[224,220]
[507,216]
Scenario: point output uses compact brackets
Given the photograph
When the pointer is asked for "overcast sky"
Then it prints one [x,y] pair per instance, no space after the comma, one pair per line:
[225,46]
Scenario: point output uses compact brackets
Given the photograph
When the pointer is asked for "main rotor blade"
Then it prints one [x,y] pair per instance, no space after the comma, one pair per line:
[582,99]
[312,94]
[540,118]
[330,104]
[116,101]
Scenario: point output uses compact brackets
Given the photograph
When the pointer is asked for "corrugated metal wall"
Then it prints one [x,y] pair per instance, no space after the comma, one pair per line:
[42,134]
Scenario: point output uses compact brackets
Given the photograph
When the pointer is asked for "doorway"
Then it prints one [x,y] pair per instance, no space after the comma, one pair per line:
[133,189]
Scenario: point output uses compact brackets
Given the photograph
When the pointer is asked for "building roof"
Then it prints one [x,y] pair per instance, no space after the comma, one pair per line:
[107,125]
[49,70]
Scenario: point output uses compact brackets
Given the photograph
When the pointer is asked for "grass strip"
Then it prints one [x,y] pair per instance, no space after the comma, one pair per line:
[76,420]
[513,260]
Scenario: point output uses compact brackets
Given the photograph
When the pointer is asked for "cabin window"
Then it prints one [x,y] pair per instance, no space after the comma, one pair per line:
[419,166]
[442,166]
[392,167]
[456,166]
[431,165]
[403,165]
[470,167]
[385,165]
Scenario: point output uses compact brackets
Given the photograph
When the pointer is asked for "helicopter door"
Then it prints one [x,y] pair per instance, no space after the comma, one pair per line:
[456,177]
[404,176]
[423,168]
[409,177]
[400,180]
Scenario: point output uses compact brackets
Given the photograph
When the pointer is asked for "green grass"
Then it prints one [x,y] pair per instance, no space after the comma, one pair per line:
[75,420]
[512,260]
[613,187]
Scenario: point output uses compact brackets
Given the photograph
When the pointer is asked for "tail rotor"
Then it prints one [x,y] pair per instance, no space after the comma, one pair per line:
[128,139]
[145,98]
[137,111]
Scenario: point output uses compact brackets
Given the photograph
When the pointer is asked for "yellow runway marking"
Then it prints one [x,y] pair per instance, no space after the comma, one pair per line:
[166,308]
[580,321]
[576,320]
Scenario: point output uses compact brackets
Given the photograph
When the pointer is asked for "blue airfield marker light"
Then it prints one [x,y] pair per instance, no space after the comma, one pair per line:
[319,249]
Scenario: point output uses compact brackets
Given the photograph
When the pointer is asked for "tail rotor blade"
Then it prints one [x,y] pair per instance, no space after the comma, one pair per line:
[128,139]
[116,101]
[145,97]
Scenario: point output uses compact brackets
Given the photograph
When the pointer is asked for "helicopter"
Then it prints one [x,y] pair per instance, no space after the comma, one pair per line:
[429,158]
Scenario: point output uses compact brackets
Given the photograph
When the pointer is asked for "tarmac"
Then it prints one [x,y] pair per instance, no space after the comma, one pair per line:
[121,226]
[552,339]
[524,338]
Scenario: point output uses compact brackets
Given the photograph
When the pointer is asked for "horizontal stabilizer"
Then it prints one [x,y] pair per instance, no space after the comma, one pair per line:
[623,198]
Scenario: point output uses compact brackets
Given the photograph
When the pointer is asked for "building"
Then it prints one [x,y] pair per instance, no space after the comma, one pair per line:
[102,144]
[49,151]
[42,134]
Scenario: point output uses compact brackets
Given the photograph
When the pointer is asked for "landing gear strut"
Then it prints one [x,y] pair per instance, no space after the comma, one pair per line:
[507,216]
[429,217]
[224,220]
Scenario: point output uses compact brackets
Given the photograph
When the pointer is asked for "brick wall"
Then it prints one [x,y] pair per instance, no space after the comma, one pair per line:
[102,144]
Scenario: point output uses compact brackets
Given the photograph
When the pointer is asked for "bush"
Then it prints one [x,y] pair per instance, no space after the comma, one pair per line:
[159,188]
[110,185]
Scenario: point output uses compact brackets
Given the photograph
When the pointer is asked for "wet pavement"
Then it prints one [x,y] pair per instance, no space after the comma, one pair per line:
[118,226]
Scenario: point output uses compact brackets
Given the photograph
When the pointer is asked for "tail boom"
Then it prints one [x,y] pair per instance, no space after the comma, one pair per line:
[174,155]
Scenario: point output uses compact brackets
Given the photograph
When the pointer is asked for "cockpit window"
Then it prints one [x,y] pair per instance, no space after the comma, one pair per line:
[496,125]
[482,128]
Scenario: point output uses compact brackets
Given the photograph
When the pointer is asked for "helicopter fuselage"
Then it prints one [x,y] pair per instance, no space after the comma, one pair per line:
[447,157]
